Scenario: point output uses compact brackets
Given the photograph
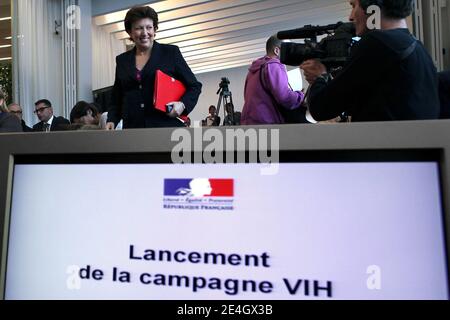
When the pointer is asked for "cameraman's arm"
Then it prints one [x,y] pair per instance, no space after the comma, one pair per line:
[328,100]
[277,80]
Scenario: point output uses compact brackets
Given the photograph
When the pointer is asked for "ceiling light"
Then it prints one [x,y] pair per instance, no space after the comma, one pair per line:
[6,18]
[160,7]
[4,59]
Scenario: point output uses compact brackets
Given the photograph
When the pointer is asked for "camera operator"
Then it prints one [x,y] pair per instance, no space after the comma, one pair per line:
[267,93]
[389,76]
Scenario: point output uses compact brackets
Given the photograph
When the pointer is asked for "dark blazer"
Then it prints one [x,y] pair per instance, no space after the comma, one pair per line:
[9,123]
[26,128]
[133,102]
[58,124]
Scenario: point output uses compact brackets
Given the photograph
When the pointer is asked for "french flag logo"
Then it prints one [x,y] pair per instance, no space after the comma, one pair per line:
[200,187]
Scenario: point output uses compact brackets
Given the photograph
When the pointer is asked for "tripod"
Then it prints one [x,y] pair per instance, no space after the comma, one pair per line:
[225,99]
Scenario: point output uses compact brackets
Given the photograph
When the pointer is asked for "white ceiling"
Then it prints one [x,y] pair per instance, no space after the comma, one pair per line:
[222,34]
[5,30]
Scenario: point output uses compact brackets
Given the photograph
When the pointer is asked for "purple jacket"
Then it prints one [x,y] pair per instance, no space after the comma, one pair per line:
[259,106]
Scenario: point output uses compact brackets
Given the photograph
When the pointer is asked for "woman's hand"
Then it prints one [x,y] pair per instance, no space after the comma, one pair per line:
[175,109]
[110,126]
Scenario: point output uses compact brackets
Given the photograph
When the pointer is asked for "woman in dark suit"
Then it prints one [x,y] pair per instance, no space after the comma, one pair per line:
[132,96]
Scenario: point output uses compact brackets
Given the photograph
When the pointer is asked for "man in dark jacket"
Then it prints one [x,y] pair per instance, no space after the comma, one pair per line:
[8,122]
[16,109]
[48,122]
[390,75]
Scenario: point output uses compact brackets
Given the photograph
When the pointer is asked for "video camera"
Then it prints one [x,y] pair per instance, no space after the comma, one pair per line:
[333,51]
[225,99]
[223,87]
[224,83]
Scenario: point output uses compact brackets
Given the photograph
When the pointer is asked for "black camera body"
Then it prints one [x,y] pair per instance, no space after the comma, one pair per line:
[225,99]
[333,51]
[224,83]
[223,86]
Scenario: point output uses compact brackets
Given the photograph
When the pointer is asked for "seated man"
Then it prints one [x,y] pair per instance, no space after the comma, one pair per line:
[8,122]
[16,109]
[390,75]
[48,122]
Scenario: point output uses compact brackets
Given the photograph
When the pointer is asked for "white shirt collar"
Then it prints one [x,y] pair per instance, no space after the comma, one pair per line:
[50,121]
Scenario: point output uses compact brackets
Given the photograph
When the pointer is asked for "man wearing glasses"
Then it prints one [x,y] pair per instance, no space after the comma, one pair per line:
[16,110]
[48,122]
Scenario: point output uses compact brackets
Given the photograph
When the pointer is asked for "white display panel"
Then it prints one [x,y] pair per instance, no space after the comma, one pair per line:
[360,230]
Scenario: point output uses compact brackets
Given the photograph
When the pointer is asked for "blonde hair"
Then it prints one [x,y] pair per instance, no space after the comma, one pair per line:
[3,96]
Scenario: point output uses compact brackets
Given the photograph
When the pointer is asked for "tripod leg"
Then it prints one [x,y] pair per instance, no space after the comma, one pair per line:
[216,122]
[232,110]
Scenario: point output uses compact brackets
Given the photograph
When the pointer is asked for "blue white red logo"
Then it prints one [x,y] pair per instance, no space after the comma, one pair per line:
[199,193]
[199,187]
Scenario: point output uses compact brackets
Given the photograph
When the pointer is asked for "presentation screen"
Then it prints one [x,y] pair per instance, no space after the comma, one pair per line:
[313,230]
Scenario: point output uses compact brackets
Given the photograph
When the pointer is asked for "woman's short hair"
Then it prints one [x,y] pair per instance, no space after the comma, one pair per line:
[137,13]
[81,109]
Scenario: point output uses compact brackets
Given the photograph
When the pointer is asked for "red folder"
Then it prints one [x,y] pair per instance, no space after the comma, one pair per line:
[167,89]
